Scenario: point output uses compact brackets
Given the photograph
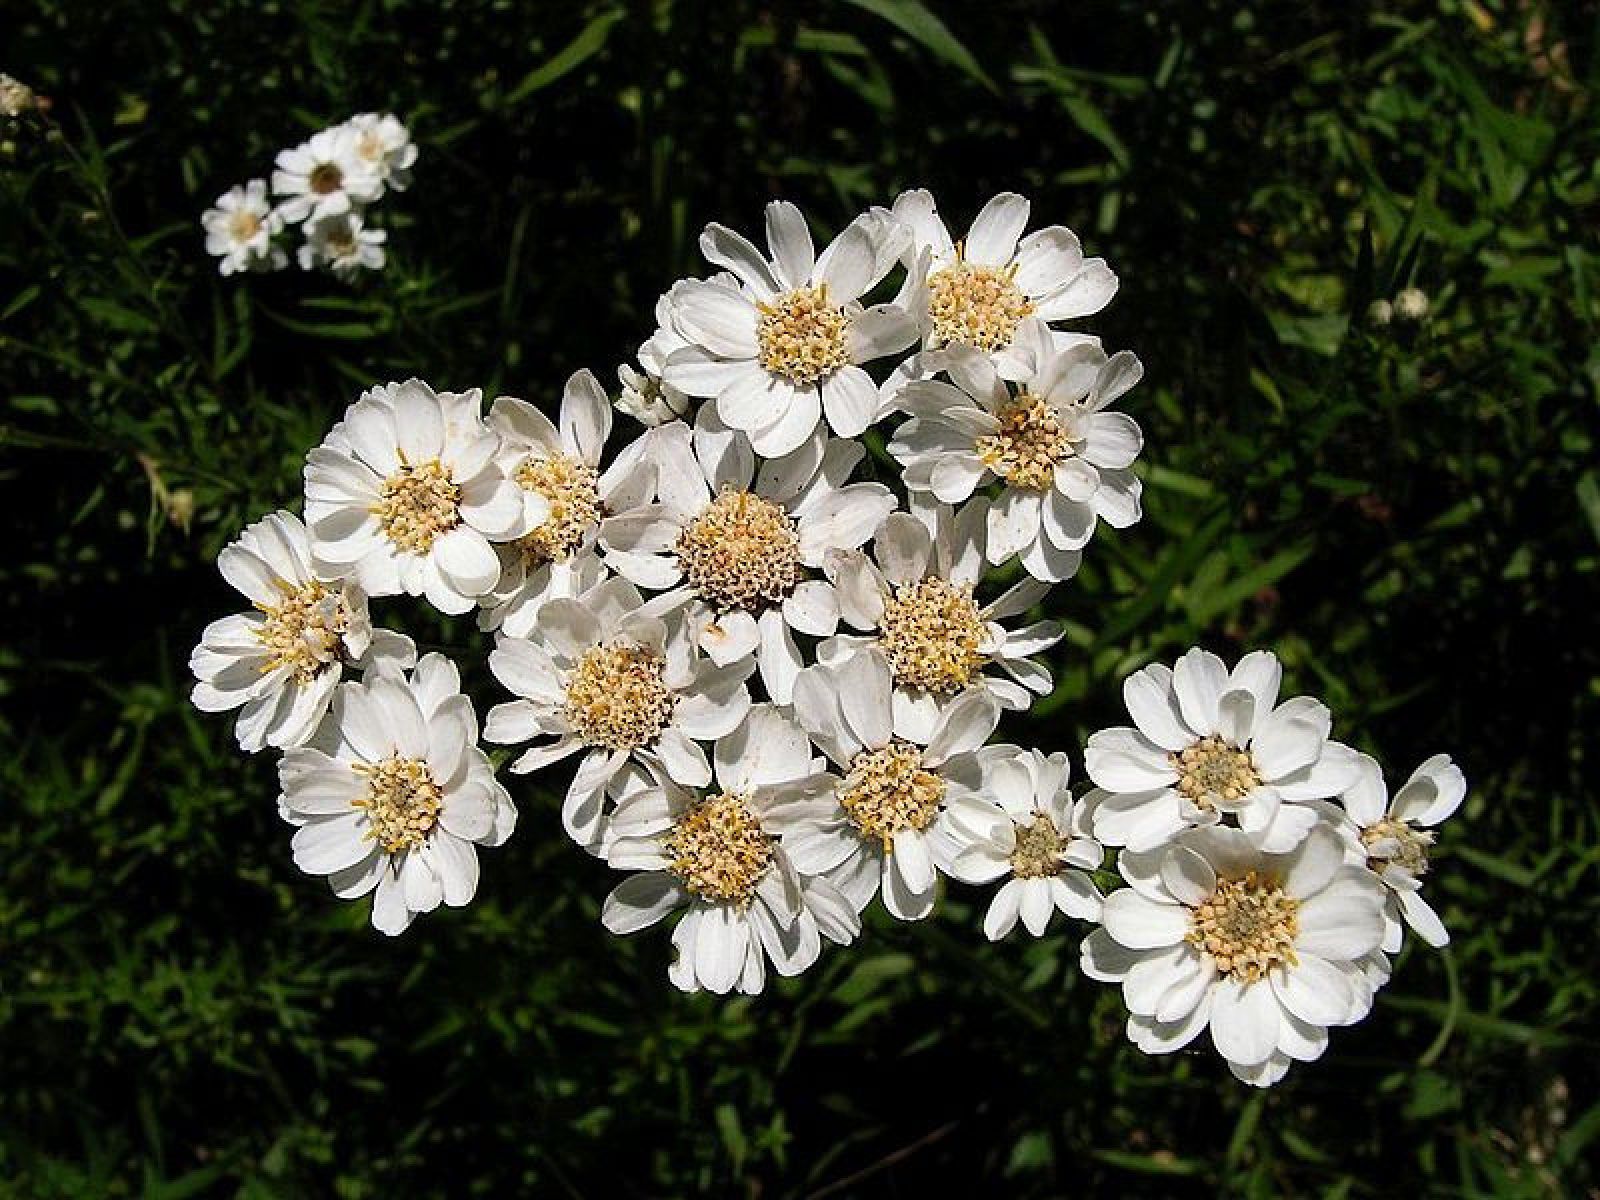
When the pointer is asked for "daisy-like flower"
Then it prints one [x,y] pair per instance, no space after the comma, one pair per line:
[281,663]
[1061,461]
[1267,950]
[324,177]
[1393,839]
[408,493]
[915,599]
[240,229]
[567,495]
[1036,840]
[1207,744]
[786,349]
[394,795]
[734,545]
[343,243]
[978,292]
[715,855]
[384,146]
[889,824]
[646,397]
[603,676]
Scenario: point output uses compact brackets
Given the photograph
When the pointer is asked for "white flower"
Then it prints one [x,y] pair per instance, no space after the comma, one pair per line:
[978,292]
[734,544]
[602,674]
[324,177]
[1061,460]
[281,663]
[716,856]
[646,397]
[393,794]
[1393,838]
[785,350]
[16,97]
[1036,839]
[1411,304]
[239,230]
[888,824]
[1267,950]
[407,492]
[567,495]
[1210,744]
[344,244]
[384,146]
[915,597]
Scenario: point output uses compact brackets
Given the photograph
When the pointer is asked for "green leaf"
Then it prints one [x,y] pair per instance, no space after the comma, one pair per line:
[914,19]
[571,56]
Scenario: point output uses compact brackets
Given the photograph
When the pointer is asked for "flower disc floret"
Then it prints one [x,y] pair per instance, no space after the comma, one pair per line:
[402,802]
[302,633]
[1247,925]
[571,488]
[802,337]
[1213,772]
[418,503]
[326,178]
[974,305]
[1397,842]
[617,696]
[1028,445]
[742,551]
[1038,851]
[930,632]
[719,850]
[888,791]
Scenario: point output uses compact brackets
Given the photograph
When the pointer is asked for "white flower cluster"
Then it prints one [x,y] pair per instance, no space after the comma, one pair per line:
[777,686]
[326,186]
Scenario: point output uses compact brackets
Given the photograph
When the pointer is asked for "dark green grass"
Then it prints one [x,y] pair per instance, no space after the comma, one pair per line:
[1408,513]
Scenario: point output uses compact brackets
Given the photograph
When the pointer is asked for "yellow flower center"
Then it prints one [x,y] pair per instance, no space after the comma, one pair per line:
[1028,445]
[302,633]
[719,850]
[617,696]
[1213,773]
[418,503]
[1411,845]
[1038,852]
[325,178]
[742,551]
[802,337]
[976,306]
[243,225]
[370,145]
[572,490]
[930,633]
[888,791]
[402,802]
[1248,926]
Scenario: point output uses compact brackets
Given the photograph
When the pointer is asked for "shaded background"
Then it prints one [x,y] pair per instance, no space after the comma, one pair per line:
[1408,513]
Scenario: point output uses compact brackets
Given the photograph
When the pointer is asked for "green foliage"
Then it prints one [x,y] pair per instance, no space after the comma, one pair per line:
[1408,512]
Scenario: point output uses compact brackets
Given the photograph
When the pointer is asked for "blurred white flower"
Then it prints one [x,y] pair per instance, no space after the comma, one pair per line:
[1035,838]
[1411,304]
[394,795]
[281,663]
[384,146]
[240,229]
[408,492]
[784,350]
[324,177]
[344,244]
[716,855]
[1210,744]
[1266,950]
[16,97]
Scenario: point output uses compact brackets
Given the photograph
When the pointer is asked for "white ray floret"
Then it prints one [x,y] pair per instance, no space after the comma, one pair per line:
[646,396]
[343,243]
[1267,951]
[783,351]
[240,229]
[393,795]
[382,143]
[324,177]
[408,493]
[602,675]
[738,548]
[715,854]
[1208,746]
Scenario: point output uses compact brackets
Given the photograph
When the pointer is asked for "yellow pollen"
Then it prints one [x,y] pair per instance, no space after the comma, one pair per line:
[719,850]
[1247,925]
[888,791]
[802,337]
[617,697]
[302,633]
[370,145]
[1213,773]
[1409,851]
[1030,442]
[742,551]
[1038,852]
[976,306]
[572,490]
[243,225]
[417,504]
[325,178]
[402,802]
[930,633]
